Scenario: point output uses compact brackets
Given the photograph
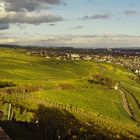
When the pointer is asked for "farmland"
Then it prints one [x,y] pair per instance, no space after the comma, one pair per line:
[80,92]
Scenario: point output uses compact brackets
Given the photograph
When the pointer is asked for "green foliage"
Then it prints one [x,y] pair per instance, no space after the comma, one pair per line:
[4,84]
[100,79]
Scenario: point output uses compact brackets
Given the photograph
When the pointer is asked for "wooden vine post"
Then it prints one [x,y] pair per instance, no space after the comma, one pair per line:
[9,111]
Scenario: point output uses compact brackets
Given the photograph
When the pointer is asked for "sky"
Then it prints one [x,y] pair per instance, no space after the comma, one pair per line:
[72,23]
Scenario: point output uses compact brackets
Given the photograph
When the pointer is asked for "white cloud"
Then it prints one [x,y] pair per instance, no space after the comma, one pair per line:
[24,11]
[94,41]
[29,18]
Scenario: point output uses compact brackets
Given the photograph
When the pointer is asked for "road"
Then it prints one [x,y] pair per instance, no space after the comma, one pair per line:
[125,103]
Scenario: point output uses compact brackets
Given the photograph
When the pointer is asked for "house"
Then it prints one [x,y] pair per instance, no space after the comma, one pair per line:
[58,58]
[137,71]
[116,86]
[47,57]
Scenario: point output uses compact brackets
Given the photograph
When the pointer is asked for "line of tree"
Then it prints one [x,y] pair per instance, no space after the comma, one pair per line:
[100,79]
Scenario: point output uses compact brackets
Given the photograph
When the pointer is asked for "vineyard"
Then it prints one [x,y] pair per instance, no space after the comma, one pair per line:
[64,99]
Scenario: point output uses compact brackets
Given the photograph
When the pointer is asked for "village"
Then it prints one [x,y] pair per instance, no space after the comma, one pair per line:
[129,59]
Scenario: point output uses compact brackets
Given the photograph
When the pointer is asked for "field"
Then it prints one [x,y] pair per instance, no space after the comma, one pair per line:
[65,85]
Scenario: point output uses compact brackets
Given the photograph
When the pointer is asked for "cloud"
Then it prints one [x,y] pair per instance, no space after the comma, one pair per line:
[92,41]
[79,27]
[24,11]
[8,40]
[130,12]
[90,1]
[53,1]
[33,18]
[131,4]
[4,26]
[28,5]
[52,24]
[76,27]
[96,16]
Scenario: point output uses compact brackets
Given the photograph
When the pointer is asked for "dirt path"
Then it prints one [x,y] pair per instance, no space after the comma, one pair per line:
[3,135]
[125,103]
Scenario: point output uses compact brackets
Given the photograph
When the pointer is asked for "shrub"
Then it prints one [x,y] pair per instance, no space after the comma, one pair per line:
[99,79]
[66,86]
[4,84]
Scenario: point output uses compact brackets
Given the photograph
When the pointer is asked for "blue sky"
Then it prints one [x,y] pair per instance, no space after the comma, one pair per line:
[78,23]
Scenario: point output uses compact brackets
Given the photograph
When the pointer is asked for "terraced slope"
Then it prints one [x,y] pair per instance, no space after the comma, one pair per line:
[65,85]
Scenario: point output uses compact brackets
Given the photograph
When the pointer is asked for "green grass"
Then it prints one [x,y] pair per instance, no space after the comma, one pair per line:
[18,67]
[66,82]
[95,99]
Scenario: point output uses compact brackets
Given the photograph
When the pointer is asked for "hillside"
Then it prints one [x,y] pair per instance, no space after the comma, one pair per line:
[81,92]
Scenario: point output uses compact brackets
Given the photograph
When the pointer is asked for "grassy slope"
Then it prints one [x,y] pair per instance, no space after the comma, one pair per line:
[16,66]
